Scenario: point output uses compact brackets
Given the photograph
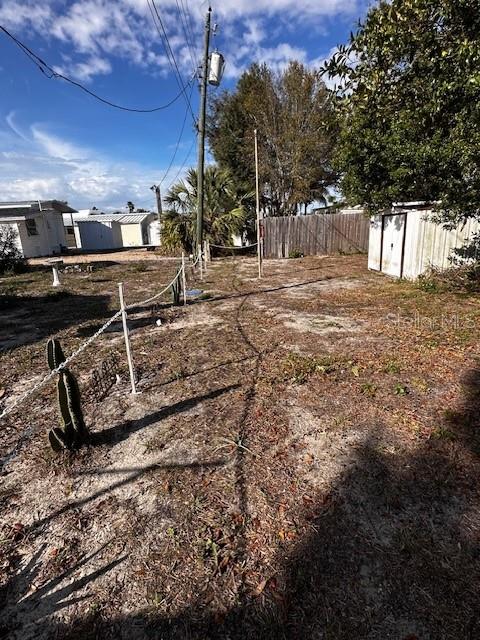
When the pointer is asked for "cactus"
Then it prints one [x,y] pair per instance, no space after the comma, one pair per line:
[74,433]
[176,290]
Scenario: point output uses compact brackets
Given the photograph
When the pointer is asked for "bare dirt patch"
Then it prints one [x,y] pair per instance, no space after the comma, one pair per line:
[302,461]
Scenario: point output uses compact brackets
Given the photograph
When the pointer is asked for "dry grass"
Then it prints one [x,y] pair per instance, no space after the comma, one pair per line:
[302,462]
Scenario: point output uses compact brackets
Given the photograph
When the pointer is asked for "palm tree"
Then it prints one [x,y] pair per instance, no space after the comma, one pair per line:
[227,212]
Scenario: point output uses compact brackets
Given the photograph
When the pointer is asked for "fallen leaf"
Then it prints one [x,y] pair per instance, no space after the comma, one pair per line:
[260,587]
[308,458]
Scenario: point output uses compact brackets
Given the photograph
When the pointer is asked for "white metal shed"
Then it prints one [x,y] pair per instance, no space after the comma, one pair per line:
[404,242]
[98,232]
[114,231]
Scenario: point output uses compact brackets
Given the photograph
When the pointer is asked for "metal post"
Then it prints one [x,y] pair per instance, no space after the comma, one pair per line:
[184,280]
[200,262]
[56,279]
[127,338]
[259,230]
[158,198]
[205,255]
[201,131]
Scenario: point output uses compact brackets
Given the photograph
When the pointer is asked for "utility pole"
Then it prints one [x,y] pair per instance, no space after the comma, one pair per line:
[259,228]
[158,197]
[201,132]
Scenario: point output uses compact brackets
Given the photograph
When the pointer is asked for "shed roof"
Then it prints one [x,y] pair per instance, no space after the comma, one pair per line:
[121,218]
[25,206]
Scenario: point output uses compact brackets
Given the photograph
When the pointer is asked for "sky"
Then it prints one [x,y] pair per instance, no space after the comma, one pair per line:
[58,142]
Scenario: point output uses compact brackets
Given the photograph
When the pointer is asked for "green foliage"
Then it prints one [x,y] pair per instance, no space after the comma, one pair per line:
[11,260]
[400,389]
[461,279]
[55,355]
[293,115]
[298,369]
[442,433]
[176,290]
[73,433]
[227,210]
[295,253]
[392,366]
[409,106]
[369,389]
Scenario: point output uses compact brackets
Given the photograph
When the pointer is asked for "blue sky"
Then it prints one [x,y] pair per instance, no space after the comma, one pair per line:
[57,142]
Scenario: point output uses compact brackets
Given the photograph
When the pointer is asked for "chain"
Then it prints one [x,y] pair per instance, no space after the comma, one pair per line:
[157,295]
[39,385]
[221,246]
[54,372]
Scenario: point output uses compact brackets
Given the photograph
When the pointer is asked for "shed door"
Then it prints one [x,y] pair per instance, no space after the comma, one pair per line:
[392,244]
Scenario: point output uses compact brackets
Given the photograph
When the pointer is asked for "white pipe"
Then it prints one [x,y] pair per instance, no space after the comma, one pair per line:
[184,280]
[127,338]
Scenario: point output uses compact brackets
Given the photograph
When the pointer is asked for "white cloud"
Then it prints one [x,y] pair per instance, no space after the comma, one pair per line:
[95,32]
[41,164]
[10,120]
[86,70]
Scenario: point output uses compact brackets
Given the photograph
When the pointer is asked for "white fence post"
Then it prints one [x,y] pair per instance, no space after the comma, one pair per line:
[127,338]
[200,262]
[184,280]
[205,256]
[56,279]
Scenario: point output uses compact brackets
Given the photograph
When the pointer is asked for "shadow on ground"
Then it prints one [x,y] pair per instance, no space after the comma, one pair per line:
[390,551]
[30,319]
[372,567]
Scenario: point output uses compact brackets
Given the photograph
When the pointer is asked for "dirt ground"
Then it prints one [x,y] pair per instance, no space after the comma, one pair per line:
[302,460]
[126,255]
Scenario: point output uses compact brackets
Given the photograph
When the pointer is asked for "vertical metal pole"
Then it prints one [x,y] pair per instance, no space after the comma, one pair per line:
[184,280]
[201,131]
[200,262]
[159,212]
[127,337]
[56,280]
[257,188]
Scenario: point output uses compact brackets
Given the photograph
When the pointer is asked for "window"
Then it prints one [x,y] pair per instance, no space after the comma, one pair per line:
[31,227]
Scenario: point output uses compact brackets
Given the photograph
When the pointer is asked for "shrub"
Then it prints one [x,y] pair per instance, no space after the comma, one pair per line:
[295,253]
[464,278]
[11,260]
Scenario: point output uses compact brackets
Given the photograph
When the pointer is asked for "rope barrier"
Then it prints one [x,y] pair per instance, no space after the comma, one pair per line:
[157,295]
[54,372]
[221,246]
[39,385]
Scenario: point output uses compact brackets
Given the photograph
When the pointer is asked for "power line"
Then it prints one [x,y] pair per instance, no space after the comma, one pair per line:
[183,164]
[50,73]
[189,21]
[178,143]
[169,52]
[183,20]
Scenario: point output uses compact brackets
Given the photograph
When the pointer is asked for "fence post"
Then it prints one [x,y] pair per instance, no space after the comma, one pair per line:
[200,260]
[184,280]
[205,255]
[127,337]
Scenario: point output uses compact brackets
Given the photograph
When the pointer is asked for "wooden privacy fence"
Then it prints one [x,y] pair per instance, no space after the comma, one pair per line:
[316,234]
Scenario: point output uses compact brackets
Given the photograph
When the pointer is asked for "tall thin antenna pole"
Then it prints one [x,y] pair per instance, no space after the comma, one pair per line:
[259,229]
[201,131]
